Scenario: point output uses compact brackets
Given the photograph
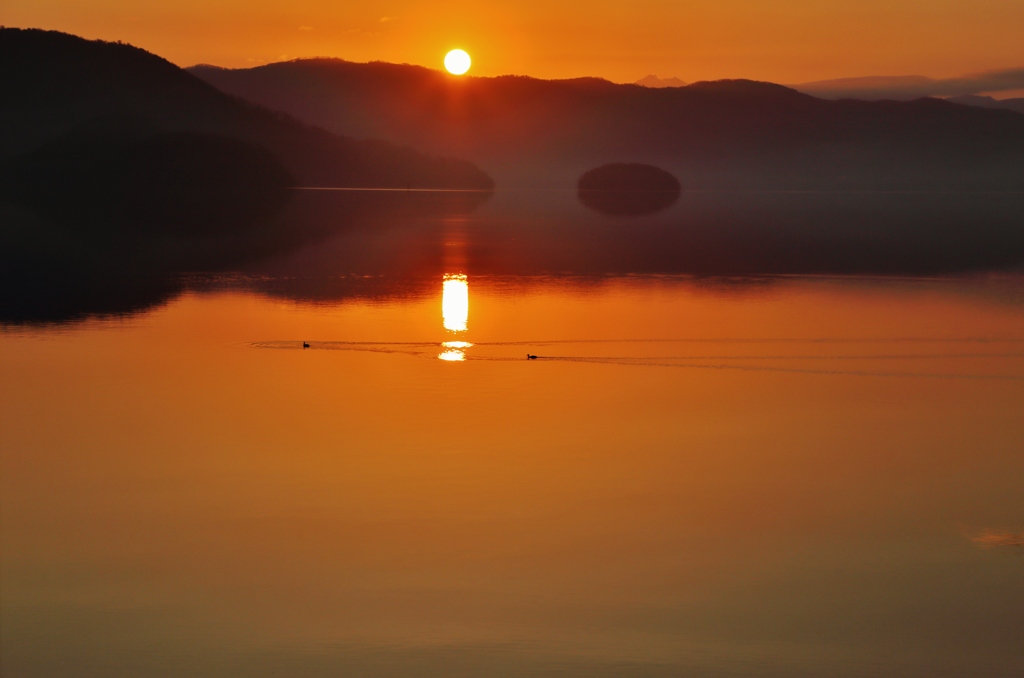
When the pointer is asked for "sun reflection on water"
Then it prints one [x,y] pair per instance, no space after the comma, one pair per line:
[455,302]
[455,315]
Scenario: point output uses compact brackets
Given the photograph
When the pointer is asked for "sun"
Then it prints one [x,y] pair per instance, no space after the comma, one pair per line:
[457,61]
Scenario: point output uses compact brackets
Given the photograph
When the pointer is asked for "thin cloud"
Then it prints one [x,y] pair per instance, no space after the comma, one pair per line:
[999,539]
[906,87]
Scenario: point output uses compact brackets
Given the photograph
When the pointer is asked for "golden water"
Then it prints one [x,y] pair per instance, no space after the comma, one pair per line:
[789,476]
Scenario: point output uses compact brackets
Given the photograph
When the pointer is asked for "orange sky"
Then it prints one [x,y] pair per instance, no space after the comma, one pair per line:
[786,41]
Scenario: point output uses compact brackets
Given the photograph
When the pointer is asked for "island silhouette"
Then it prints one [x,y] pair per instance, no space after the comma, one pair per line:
[628,189]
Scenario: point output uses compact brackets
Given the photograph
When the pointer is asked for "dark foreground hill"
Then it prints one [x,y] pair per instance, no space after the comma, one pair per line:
[723,134]
[119,171]
[53,84]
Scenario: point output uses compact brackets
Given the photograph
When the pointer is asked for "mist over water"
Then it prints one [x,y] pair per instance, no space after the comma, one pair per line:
[328,244]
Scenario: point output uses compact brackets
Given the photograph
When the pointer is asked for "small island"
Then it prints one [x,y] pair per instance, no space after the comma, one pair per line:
[628,189]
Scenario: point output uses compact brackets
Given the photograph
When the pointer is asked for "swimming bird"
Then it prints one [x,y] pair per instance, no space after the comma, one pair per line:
[305,345]
[530,357]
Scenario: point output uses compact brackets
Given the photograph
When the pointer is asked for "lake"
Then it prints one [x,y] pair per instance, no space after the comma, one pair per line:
[751,472]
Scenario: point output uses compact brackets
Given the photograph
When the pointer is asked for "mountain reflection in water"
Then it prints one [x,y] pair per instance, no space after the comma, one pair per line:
[328,245]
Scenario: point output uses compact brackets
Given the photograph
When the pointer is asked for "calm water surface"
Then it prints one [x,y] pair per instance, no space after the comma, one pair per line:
[775,476]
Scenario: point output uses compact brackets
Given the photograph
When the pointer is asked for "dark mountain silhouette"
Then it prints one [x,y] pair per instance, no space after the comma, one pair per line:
[142,184]
[733,133]
[119,171]
[53,83]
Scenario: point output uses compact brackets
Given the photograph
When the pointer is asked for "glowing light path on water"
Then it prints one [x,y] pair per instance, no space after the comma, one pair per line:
[452,355]
[455,302]
[455,315]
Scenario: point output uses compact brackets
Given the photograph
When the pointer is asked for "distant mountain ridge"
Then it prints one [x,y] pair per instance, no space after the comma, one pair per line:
[53,83]
[730,133]
[656,82]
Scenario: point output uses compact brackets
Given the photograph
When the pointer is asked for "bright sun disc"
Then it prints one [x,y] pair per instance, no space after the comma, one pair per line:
[457,62]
